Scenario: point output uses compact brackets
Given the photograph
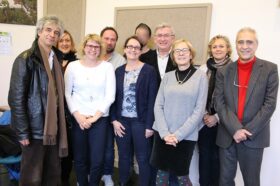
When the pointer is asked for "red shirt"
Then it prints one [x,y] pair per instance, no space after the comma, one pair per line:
[244,72]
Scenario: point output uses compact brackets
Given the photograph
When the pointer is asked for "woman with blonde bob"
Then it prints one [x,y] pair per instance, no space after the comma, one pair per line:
[67,46]
[89,90]
[219,51]
[178,110]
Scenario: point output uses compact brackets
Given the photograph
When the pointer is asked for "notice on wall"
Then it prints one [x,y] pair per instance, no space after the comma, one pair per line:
[5,43]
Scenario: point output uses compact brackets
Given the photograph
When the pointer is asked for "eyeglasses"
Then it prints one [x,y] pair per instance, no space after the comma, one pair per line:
[183,50]
[164,35]
[237,85]
[247,42]
[136,48]
[96,47]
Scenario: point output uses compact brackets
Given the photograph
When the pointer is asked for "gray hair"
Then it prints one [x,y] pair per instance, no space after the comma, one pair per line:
[49,20]
[248,29]
[164,25]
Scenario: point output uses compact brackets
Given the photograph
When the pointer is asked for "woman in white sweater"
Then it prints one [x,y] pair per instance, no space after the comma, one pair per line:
[90,90]
[179,109]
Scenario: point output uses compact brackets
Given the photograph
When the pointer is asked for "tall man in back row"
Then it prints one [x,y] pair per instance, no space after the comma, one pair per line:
[36,98]
[245,97]
[109,36]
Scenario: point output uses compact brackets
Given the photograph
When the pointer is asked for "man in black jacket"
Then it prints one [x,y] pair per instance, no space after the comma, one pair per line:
[36,98]
[159,58]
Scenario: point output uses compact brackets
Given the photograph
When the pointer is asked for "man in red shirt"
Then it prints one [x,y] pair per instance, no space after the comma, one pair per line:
[245,97]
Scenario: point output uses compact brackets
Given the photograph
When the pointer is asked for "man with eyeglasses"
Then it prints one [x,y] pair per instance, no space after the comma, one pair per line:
[245,97]
[164,36]
[109,36]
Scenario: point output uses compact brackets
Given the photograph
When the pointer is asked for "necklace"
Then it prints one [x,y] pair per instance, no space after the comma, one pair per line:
[179,81]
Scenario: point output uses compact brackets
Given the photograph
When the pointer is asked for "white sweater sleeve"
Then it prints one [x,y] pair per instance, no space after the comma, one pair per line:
[69,84]
[110,90]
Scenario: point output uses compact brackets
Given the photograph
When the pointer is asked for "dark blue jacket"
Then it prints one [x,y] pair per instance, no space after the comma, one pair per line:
[146,91]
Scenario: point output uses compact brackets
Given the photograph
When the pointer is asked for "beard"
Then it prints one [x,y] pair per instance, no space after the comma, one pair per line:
[110,50]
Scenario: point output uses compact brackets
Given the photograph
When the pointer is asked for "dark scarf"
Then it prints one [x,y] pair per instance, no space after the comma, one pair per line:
[54,126]
[69,57]
[211,73]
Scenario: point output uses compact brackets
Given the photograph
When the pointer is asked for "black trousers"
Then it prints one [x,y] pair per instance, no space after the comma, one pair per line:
[208,157]
[67,162]
[40,165]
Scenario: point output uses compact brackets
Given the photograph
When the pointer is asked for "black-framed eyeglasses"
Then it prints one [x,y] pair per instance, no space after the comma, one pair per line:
[136,48]
[237,85]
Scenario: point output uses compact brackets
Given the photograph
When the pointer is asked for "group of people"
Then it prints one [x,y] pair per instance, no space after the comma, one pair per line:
[155,104]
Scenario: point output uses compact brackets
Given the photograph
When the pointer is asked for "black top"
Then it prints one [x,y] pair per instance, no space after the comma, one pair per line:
[71,56]
[145,57]
[184,75]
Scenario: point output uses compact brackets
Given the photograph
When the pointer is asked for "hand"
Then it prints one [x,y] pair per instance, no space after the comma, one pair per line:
[210,120]
[118,128]
[241,135]
[149,133]
[81,120]
[24,142]
[90,120]
[171,139]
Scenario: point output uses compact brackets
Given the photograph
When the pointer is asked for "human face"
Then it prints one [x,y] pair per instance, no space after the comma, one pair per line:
[182,55]
[92,50]
[246,46]
[143,35]
[110,39]
[132,50]
[65,44]
[164,39]
[49,35]
[219,50]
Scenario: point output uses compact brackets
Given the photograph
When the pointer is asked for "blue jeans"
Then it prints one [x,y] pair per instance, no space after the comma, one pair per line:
[134,137]
[109,152]
[88,150]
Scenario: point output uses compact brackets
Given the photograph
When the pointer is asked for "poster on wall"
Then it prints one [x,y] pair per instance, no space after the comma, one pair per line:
[22,12]
[5,43]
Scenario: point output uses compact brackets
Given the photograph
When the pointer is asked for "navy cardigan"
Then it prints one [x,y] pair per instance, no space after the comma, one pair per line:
[146,91]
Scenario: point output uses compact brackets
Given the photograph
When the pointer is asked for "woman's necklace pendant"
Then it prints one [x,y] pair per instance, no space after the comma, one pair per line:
[180,82]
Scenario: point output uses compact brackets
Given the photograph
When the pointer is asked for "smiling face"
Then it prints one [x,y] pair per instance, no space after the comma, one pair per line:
[65,44]
[219,50]
[164,39]
[246,45]
[92,50]
[49,35]
[182,55]
[132,49]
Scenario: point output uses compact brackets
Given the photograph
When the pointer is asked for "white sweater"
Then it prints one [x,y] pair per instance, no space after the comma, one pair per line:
[90,89]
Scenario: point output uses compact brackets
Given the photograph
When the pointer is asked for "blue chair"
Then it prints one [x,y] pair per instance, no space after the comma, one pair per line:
[11,163]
